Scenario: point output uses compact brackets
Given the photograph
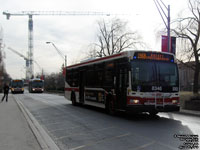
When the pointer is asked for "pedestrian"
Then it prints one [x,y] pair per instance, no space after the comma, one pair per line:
[6,91]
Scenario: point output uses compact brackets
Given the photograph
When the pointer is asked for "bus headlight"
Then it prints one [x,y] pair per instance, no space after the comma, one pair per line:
[33,89]
[22,89]
[134,101]
[174,101]
[12,89]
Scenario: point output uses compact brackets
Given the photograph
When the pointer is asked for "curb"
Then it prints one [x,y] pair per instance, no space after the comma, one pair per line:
[189,112]
[44,140]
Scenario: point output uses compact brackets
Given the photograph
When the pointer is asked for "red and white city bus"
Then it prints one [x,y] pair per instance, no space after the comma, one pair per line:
[136,81]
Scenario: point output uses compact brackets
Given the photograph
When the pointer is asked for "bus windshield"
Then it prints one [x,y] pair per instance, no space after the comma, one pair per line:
[17,84]
[167,74]
[37,84]
[152,73]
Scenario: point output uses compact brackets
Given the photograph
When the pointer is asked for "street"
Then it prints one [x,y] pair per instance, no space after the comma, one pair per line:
[89,128]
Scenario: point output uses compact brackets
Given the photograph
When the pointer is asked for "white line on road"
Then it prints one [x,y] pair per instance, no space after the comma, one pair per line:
[144,146]
[108,139]
[84,133]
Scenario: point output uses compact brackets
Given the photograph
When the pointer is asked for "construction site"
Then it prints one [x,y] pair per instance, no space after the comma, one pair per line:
[29,58]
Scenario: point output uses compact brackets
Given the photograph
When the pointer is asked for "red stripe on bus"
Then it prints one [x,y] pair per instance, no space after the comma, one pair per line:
[96,60]
[72,89]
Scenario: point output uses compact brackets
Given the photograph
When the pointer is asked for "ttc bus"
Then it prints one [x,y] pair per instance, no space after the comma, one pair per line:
[36,86]
[131,81]
[17,86]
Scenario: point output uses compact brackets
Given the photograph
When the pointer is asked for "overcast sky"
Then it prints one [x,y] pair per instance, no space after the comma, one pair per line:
[73,34]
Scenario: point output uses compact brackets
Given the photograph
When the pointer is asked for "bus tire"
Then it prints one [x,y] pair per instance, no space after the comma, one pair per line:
[73,99]
[110,107]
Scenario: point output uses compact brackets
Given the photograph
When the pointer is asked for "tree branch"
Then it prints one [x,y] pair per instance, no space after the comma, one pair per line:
[192,10]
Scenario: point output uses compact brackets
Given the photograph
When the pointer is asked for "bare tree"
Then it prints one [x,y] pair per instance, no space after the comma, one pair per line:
[55,82]
[114,37]
[188,29]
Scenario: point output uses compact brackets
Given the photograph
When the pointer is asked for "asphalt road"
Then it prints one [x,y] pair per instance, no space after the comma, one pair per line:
[89,128]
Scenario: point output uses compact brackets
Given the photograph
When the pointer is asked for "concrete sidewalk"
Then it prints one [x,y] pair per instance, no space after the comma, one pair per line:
[190,112]
[15,133]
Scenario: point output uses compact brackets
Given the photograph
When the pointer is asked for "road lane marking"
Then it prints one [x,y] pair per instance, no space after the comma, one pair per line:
[79,147]
[84,133]
[51,131]
[144,146]
[93,143]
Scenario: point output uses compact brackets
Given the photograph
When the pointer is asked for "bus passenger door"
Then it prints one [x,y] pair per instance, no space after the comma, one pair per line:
[121,86]
[81,86]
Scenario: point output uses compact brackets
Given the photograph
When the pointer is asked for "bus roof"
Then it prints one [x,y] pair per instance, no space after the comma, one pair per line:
[114,56]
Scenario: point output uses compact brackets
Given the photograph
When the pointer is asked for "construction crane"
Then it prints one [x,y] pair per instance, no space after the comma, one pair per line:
[30,15]
[26,59]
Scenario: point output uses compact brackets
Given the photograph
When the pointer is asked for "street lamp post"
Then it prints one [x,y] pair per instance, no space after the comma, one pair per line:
[168,29]
[64,57]
[167,16]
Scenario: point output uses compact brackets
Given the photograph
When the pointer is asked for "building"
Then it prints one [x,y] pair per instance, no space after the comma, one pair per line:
[186,76]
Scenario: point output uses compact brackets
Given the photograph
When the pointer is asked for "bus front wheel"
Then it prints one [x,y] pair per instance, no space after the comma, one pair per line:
[153,113]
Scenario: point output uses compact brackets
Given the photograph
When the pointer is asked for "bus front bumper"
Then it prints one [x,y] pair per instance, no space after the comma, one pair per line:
[151,108]
[17,90]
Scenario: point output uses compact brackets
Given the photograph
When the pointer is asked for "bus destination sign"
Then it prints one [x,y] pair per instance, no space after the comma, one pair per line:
[17,80]
[153,56]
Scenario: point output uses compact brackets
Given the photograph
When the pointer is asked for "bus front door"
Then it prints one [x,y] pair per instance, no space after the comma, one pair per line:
[81,86]
[121,86]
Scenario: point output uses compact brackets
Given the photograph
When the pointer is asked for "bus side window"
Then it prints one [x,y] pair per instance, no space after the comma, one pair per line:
[75,78]
[99,78]
[90,78]
[69,77]
[108,78]
[99,75]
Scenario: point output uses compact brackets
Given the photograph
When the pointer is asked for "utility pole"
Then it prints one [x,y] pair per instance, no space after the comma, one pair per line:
[30,46]
[168,30]
[167,16]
